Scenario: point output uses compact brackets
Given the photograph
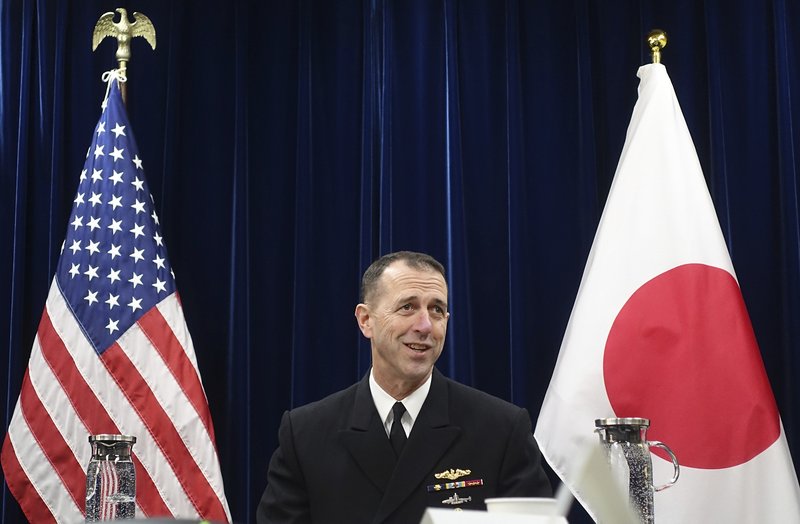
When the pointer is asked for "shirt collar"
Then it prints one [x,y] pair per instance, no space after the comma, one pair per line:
[384,402]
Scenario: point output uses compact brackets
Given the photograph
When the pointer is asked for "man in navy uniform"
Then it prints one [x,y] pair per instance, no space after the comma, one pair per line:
[405,437]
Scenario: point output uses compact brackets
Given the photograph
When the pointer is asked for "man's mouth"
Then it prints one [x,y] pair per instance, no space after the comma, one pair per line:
[418,347]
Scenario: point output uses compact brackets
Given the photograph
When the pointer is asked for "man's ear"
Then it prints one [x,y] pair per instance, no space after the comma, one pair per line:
[364,320]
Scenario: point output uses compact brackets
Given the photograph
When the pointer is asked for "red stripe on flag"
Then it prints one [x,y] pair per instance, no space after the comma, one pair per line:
[89,409]
[147,495]
[161,336]
[52,443]
[21,487]
[141,398]
[92,412]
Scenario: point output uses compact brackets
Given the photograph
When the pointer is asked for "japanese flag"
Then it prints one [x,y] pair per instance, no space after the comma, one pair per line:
[659,330]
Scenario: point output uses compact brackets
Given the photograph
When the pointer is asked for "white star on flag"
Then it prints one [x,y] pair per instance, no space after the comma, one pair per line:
[114,251]
[95,199]
[91,297]
[117,154]
[113,275]
[112,301]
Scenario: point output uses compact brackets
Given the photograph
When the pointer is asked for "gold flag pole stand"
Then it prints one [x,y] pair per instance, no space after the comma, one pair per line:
[124,31]
[657,40]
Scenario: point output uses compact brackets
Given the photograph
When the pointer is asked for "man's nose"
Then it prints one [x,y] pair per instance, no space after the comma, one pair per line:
[423,322]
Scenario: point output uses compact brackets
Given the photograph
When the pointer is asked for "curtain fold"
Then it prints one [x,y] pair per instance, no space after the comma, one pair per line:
[288,144]
[459,335]
[788,269]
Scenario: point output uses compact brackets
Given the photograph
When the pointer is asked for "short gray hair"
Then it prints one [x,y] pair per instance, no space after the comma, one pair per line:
[414,260]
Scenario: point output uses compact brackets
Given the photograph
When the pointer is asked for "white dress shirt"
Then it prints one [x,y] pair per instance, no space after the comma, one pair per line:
[384,403]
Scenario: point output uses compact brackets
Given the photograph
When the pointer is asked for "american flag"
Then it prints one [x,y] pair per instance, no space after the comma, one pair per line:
[112,354]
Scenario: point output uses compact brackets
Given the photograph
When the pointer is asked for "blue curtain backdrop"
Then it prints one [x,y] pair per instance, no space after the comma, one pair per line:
[288,143]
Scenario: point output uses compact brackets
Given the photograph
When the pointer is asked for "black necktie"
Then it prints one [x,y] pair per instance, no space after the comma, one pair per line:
[397,435]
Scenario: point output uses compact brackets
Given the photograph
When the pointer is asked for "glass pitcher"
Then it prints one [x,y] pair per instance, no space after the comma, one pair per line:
[110,479]
[628,453]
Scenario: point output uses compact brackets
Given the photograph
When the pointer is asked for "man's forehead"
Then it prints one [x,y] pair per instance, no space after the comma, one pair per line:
[401,272]
[403,279]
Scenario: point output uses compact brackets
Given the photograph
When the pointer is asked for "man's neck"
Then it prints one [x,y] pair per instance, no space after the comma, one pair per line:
[402,389]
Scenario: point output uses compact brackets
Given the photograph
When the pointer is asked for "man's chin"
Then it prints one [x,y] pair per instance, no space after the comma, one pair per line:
[419,372]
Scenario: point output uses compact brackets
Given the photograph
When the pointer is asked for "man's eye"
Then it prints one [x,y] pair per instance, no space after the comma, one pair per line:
[406,307]
[438,311]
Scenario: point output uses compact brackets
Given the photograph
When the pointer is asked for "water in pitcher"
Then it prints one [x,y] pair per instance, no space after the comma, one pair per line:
[110,479]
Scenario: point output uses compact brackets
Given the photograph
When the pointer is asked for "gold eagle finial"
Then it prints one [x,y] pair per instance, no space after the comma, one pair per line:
[124,31]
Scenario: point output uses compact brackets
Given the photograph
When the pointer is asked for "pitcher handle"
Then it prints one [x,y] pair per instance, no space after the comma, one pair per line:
[677,468]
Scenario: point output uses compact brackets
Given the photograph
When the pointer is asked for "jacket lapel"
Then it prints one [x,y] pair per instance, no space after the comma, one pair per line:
[430,437]
[366,440]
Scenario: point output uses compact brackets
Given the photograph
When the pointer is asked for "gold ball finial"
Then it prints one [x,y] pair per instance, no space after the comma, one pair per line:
[657,40]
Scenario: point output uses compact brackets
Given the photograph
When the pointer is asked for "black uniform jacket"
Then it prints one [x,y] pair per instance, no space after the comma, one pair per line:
[335,464]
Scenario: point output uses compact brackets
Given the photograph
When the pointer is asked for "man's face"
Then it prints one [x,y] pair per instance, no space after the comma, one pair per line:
[406,322]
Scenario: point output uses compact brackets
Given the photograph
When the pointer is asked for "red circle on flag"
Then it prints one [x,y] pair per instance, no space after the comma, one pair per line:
[683,354]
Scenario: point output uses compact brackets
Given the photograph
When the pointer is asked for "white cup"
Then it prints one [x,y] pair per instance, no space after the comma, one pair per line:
[544,508]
